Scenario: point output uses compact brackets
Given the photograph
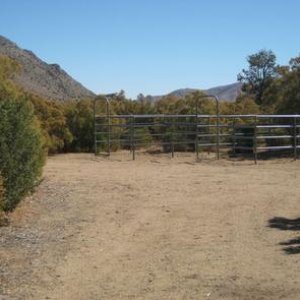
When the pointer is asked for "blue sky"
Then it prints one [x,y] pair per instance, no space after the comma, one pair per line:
[152,47]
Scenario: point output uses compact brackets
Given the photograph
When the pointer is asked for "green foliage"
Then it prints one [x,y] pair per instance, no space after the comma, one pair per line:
[283,95]
[295,63]
[3,218]
[2,192]
[259,75]
[275,89]
[53,122]
[80,123]
[244,105]
[290,94]
[21,148]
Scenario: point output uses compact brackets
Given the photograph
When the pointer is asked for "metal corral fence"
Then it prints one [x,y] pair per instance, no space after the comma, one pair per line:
[233,135]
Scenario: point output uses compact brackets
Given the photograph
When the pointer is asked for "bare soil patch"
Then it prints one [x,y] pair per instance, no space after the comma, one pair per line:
[155,228]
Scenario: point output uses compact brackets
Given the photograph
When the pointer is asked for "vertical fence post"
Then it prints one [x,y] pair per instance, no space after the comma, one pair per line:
[109,126]
[218,125]
[133,139]
[255,140]
[172,137]
[130,133]
[218,133]
[234,136]
[197,137]
[295,138]
[197,133]
[95,129]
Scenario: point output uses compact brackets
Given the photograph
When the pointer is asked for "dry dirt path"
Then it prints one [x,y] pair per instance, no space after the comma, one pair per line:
[155,228]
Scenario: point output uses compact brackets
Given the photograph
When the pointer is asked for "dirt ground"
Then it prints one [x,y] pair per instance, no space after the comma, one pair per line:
[155,228]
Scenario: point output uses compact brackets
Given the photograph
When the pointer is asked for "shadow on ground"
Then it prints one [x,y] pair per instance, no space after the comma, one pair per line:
[291,246]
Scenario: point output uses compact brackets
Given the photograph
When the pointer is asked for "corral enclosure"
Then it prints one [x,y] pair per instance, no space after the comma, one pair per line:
[230,135]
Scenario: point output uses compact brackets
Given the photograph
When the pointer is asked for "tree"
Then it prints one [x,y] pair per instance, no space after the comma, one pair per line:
[80,122]
[287,93]
[51,116]
[21,147]
[295,63]
[259,75]
[21,142]
[283,95]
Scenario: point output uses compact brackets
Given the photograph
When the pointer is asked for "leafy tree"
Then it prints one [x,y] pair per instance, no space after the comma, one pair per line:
[80,123]
[200,103]
[295,63]
[21,148]
[144,105]
[53,122]
[166,105]
[283,95]
[289,94]
[245,105]
[259,75]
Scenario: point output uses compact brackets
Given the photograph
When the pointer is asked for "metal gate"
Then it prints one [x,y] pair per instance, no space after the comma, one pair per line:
[245,135]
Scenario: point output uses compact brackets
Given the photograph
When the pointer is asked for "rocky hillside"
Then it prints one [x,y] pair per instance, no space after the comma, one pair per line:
[36,76]
[227,92]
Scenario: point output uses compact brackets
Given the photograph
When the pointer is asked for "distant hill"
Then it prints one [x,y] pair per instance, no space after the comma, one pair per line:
[36,76]
[225,92]
[182,92]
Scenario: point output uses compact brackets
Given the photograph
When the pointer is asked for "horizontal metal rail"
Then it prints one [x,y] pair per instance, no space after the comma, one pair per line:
[237,133]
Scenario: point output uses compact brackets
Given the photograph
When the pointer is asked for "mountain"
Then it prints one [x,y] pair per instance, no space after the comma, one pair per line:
[182,92]
[38,77]
[227,92]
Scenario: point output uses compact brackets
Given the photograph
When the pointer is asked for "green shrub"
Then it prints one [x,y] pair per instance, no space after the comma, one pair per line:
[1,192]
[3,217]
[1,195]
[80,123]
[53,123]
[21,148]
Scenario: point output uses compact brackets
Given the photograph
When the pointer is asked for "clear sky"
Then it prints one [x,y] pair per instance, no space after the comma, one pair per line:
[152,46]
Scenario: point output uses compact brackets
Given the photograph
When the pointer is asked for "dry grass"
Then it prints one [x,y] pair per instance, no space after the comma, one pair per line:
[159,228]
